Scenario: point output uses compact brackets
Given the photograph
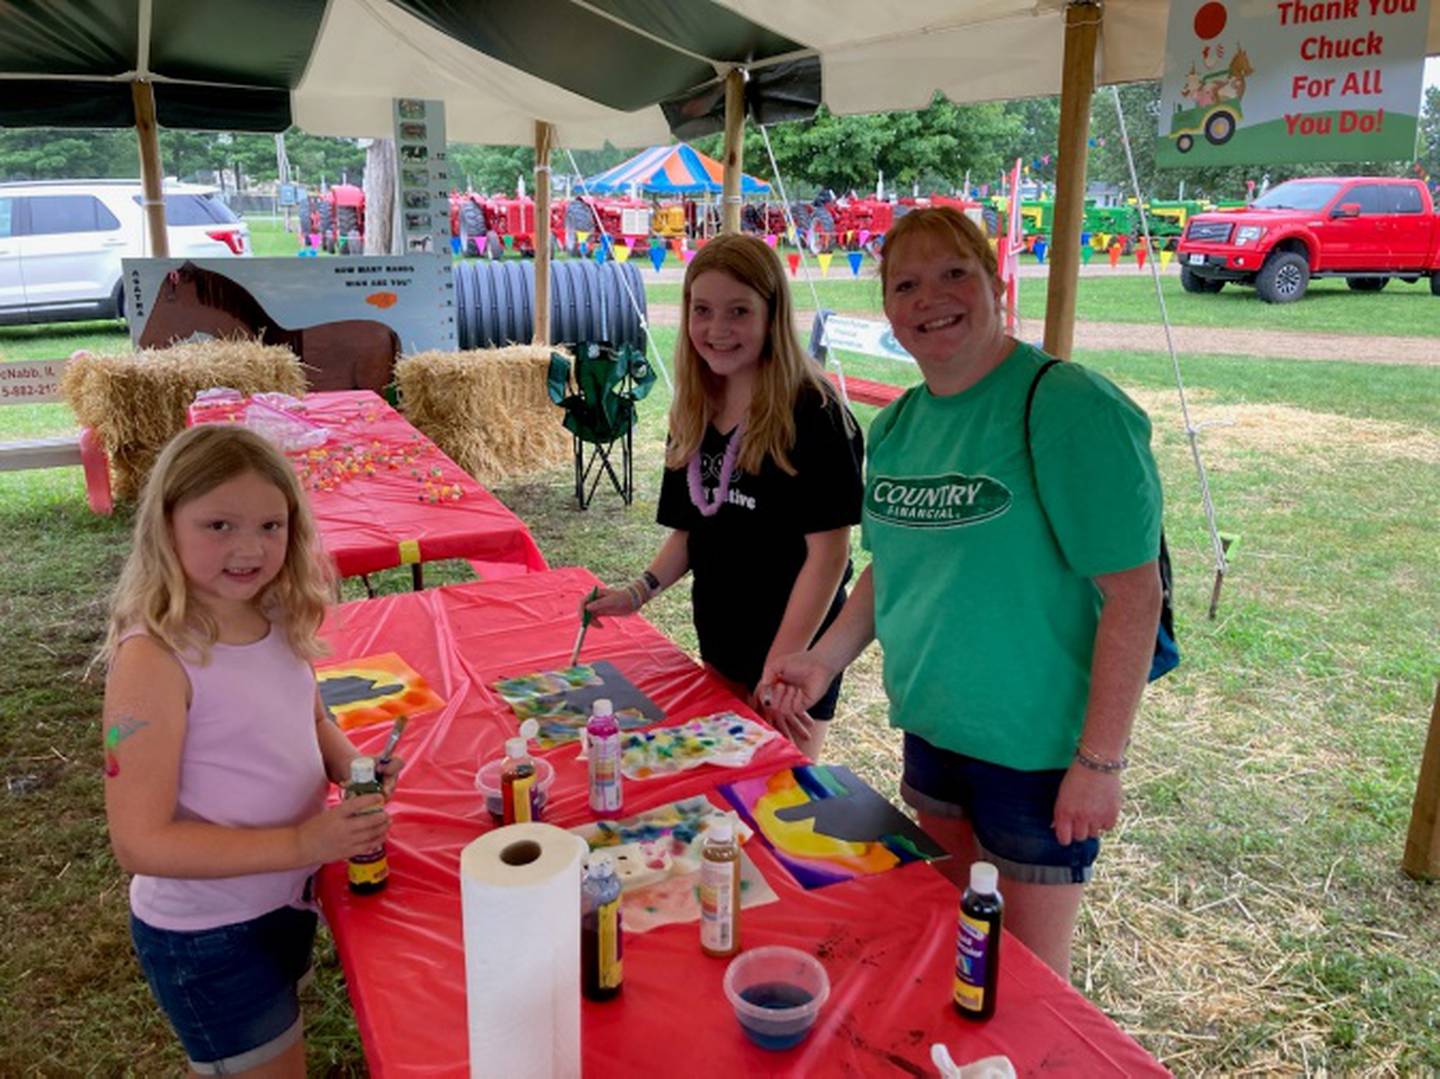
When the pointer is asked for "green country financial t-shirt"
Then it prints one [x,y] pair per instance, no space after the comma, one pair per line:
[987,617]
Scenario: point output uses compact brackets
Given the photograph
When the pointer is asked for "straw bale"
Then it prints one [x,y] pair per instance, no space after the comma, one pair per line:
[487,409]
[136,402]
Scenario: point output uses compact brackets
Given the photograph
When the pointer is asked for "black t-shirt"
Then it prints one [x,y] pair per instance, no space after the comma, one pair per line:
[746,557]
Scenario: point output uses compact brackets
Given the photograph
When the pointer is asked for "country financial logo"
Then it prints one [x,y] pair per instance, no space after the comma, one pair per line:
[948,501]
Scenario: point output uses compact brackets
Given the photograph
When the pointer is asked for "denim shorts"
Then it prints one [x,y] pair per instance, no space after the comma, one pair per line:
[230,992]
[1010,812]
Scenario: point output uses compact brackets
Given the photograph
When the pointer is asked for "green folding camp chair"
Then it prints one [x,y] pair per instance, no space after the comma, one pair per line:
[600,413]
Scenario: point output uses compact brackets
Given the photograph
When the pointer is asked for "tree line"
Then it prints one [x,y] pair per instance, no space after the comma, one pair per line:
[934,149]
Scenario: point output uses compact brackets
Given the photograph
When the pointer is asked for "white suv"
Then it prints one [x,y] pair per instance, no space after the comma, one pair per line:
[61,242]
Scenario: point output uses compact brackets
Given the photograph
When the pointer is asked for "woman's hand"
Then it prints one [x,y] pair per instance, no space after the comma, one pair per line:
[1087,805]
[354,826]
[791,684]
[609,601]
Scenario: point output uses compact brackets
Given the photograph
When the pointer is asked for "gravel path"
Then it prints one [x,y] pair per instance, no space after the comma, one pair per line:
[1149,337]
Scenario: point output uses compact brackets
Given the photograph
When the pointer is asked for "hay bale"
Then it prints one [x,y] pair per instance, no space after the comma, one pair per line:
[487,409]
[136,402]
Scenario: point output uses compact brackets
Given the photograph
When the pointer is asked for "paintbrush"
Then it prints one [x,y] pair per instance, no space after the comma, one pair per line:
[585,619]
[395,732]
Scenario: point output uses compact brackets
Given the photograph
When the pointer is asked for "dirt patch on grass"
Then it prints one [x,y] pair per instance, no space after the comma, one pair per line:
[1232,431]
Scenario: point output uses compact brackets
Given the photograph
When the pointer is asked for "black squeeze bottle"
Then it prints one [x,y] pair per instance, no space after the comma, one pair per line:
[977,944]
[367,872]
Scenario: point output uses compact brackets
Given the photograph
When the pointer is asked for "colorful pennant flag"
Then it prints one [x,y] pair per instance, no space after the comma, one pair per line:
[793,258]
[657,256]
[1165,257]
[864,237]
[855,258]
[824,260]
[1040,248]
[1140,254]
[622,252]
[1086,254]
[509,242]
[686,255]
[581,236]
[772,239]
[1115,250]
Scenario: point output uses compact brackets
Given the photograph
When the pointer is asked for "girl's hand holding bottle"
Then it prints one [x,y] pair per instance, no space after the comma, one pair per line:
[387,770]
[354,826]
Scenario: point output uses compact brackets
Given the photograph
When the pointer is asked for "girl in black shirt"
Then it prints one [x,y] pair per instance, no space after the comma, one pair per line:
[762,478]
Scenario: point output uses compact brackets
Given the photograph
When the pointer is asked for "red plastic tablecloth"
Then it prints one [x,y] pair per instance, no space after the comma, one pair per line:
[374,522]
[887,942]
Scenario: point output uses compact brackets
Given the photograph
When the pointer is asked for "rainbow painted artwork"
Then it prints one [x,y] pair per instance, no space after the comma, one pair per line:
[825,825]
[725,739]
[560,700]
[374,689]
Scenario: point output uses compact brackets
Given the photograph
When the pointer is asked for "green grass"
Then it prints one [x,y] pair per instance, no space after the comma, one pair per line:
[1248,914]
[1329,306]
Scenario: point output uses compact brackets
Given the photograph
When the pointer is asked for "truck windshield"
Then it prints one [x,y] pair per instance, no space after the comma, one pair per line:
[1296,196]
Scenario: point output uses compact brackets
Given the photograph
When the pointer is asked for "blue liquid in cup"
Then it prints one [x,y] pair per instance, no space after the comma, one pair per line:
[777,995]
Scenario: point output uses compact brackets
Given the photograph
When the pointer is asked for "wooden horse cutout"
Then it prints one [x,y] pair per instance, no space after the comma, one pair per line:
[349,354]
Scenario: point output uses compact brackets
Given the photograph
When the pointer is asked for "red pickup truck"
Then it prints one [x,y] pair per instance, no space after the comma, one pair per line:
[1366,229]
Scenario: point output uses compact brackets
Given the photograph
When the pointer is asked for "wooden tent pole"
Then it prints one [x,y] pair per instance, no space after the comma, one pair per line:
[142,93]
[1422,846]
[544,140]
[734,147]
[1082,29]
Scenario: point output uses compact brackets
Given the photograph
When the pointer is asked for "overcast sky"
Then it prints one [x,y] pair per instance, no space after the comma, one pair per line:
[1432,71]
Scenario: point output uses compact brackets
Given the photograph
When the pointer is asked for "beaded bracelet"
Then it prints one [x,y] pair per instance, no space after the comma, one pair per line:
[636,599]
[1088,758]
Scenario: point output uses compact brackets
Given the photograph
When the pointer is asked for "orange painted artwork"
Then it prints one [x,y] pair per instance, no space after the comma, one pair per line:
[374,689]
[382,300]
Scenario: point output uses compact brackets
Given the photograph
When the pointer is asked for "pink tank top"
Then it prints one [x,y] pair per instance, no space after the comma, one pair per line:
[250,760]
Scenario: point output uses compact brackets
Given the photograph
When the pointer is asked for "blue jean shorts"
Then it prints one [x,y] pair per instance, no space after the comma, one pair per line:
[230,992]
[1010,812]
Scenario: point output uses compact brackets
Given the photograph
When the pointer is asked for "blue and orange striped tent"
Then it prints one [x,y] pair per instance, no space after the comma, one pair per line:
[670,170]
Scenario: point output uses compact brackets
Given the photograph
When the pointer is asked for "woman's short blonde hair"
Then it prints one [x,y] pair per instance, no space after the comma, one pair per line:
[152,594]
[946,227]
[785,368]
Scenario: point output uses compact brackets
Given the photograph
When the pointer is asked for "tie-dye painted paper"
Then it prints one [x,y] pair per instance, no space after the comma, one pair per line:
[825,825]
[657,855]
[559,700]
[725,739]
[374,689]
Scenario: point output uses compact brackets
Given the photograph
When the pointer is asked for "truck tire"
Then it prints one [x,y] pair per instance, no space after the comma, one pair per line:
[1284,278]
[1435,283]
[1191,281]
[494,246]
[1366,284]
[472,227]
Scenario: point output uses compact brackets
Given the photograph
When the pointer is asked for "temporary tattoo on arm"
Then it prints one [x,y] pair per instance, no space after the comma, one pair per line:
[120,730]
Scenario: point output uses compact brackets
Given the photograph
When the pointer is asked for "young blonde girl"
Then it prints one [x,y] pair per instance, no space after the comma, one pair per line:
[762,478]
[218,749]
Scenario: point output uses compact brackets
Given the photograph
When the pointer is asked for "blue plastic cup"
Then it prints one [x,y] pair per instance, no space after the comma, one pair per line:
[776,992]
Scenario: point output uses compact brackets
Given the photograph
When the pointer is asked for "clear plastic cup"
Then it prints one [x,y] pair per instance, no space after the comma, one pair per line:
[487,782]
[776,992]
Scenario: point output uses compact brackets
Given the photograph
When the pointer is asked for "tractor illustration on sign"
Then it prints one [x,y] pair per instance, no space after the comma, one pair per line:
[1215,96]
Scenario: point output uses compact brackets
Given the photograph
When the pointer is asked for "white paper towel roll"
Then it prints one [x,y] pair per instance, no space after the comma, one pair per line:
[520,899]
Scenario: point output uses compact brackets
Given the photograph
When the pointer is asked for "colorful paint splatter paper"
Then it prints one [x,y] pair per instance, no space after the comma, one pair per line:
[825,825]
[374,689]
[724,739]
[657,856]
[560,700]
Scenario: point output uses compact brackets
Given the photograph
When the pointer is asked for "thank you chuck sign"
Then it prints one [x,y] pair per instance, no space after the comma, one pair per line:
[1268,81]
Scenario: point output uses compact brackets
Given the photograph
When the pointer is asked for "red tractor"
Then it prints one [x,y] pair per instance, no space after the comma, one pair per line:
[337,216]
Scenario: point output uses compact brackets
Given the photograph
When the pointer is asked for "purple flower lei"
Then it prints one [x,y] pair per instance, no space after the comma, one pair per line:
[727,471]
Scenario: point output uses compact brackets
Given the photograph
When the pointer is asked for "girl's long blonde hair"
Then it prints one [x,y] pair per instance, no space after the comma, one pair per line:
[785,369]
[152,594]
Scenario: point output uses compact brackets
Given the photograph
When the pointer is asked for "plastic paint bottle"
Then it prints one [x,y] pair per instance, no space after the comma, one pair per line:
[720,890]
[977,944]
[600,937]
[602,737]
[517,783]
[367,872]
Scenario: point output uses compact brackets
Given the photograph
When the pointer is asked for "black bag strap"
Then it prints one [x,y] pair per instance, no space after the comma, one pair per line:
[1030,453]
